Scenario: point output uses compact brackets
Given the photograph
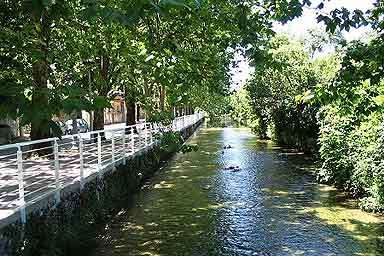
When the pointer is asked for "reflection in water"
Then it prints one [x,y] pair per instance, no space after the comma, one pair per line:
[271,206]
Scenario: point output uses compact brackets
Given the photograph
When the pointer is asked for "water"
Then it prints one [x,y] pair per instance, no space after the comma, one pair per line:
[271,206]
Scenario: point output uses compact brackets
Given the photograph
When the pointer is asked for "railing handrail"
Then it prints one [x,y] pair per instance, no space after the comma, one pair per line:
[64,160]
[71,136]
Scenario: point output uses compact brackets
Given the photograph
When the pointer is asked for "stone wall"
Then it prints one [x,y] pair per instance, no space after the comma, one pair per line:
[72,226]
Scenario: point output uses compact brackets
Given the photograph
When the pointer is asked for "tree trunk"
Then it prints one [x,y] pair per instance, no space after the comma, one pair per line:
[137,112]
[98,123]
[98,119]
[39,104]
[162,97]
[39,126]
[130,115]
[130,118]
[98,115]
[74,122]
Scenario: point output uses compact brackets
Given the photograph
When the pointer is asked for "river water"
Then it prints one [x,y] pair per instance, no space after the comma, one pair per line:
[272,205]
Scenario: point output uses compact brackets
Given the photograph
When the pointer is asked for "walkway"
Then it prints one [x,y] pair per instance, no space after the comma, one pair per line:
[28,175]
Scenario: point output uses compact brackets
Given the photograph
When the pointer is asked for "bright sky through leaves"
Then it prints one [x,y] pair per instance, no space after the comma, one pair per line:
[298,27]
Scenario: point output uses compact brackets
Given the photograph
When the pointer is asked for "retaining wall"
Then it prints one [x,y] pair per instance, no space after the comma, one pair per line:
[71,227]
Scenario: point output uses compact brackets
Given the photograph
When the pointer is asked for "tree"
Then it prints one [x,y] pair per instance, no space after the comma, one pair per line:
[75,55]
[281,92]
[32,29]
[317,40]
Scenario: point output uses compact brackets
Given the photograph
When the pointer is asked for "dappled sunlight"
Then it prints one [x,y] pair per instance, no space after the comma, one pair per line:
[272,205]
[332,209]
[149,254]
[151,243]
[278,193]
[344,213]
[292,153]
[296,252]
[163,184]
[176,171]
[221,205]
[132,226]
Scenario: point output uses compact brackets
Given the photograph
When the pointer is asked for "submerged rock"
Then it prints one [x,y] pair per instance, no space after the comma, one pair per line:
[233,168]
[236,169]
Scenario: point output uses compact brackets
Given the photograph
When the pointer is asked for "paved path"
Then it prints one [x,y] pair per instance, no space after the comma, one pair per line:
[39,172]
[42,176]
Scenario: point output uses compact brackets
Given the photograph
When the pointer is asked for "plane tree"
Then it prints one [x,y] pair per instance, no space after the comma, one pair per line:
[76,55]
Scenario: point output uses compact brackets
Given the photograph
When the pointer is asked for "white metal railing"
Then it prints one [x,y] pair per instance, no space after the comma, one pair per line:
[33,170]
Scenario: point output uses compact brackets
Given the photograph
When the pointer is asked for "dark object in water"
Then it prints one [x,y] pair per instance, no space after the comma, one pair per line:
[233,168]
[227,146]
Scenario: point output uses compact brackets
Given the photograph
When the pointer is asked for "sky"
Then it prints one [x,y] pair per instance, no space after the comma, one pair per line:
[298,27]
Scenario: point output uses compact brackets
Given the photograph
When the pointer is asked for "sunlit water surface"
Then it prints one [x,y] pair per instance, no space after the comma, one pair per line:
[271,206]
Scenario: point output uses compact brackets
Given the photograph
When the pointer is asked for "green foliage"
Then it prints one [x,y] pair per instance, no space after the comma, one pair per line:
[161,117]
[336,101]
[351,125]
[335,147]
[344,19]
[66,56]
[351,118]
[174,142]
[282,92]
[242,111]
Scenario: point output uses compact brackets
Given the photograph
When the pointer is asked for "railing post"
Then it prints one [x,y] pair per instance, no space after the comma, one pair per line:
[139,136]
[23,216]
[57,167]
[132,141]
[145,135]
[150,133]
[81,152]
[99,154]
[124,148]
[113,150]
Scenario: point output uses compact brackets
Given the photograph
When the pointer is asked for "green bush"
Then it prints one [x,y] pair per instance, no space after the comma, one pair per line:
[351,124]
[281,92]
[335,150]
[352,151]
[296,125]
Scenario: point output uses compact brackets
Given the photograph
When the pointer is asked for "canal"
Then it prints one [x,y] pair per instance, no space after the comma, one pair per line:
[270,205]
